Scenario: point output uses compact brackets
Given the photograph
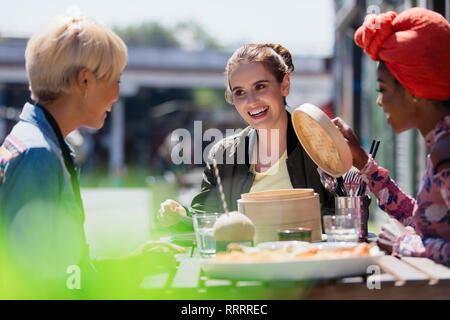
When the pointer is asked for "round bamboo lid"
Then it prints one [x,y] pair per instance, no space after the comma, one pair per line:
[323,142]
[278,194]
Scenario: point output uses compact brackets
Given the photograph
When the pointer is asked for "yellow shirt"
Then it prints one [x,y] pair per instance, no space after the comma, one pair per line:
[275,178]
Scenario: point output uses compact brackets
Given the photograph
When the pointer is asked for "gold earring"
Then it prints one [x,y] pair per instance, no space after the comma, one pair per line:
[85,94]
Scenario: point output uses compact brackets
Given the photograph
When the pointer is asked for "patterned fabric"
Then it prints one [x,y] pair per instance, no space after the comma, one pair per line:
[429,214]
[10,149]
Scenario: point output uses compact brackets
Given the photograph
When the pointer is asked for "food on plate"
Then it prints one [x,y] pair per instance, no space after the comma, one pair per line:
[291,253]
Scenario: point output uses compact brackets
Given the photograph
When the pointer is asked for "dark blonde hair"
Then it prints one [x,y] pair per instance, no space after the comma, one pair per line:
[275,58]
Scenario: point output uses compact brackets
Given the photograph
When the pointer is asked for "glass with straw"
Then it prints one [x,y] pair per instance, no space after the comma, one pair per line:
[231,227]
[204,223]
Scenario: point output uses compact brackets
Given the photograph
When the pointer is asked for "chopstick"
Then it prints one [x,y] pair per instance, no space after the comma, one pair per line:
[373,151]
[372,146]
[341,187]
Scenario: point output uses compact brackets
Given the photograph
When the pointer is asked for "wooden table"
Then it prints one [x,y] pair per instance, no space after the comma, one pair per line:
[400,278]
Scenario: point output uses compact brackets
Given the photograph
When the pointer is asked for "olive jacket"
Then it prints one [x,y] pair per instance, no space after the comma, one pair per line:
[233,156]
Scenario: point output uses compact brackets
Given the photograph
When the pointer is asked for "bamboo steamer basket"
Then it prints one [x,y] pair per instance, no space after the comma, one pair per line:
[278,194]
[270,215]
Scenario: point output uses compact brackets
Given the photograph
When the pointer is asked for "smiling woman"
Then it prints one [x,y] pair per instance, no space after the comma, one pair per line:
[414,92]
[267,154]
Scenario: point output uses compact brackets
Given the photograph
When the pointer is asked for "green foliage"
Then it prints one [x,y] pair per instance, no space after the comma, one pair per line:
[199,37]
[209,99]
[132,177]
[186,35]
[149,33]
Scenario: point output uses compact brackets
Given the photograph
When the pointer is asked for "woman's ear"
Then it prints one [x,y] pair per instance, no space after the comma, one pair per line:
[83,79]
[420,105]
[285,85]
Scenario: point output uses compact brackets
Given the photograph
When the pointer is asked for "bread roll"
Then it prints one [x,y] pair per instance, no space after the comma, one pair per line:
[234,226]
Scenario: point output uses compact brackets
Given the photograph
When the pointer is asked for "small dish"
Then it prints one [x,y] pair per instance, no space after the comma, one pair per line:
[298,234]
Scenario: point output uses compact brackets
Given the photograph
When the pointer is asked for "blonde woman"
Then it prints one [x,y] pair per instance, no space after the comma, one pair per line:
[74,66]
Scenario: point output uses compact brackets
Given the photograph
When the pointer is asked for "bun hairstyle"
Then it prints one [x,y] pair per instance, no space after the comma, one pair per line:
[276,58]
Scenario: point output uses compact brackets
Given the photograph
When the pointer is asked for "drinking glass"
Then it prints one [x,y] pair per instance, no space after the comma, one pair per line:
[342,228]
[204,232]
[356,206]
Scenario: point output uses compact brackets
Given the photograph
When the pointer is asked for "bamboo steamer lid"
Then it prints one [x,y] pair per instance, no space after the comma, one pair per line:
[323,142]
[278,194]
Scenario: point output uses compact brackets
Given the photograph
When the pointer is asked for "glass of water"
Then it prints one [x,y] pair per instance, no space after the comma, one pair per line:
[342,228]
[204,233]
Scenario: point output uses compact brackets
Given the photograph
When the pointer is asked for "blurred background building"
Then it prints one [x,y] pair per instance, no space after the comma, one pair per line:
[163,88]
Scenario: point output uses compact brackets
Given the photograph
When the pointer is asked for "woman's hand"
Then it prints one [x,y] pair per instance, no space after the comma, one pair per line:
[360,157]
[150,257]
[169,212]
[390,232]
[158,246]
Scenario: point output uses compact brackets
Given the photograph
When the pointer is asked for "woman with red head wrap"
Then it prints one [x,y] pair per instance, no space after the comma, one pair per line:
[414,90]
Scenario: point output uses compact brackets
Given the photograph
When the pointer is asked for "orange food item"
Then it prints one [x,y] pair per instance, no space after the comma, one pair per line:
[290,253]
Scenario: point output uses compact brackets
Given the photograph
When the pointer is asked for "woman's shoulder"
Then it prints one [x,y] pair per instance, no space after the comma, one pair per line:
[440,153]
[31,136]
[231,142]
[26,146]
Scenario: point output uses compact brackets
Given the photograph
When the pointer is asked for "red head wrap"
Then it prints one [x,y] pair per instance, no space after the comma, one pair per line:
[415,46]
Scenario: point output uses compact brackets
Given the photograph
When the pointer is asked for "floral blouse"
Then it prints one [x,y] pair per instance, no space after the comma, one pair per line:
[429,214]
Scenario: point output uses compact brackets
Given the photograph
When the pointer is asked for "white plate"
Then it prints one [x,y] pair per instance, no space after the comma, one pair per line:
[293,270]
[281,244]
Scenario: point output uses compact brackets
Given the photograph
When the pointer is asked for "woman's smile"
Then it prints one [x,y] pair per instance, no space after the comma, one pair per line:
[259,112]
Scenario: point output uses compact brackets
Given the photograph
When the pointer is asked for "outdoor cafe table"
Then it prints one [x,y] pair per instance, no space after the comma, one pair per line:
[400,278]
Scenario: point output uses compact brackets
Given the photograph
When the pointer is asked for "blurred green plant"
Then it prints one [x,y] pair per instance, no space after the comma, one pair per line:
[148,33]
[187,35]
[131,177]
[209,99]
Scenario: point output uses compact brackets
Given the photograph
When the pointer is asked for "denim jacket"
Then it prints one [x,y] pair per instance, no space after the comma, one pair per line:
[41,222]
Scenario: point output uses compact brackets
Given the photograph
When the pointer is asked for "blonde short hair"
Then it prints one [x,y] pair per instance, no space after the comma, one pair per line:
[67,44]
